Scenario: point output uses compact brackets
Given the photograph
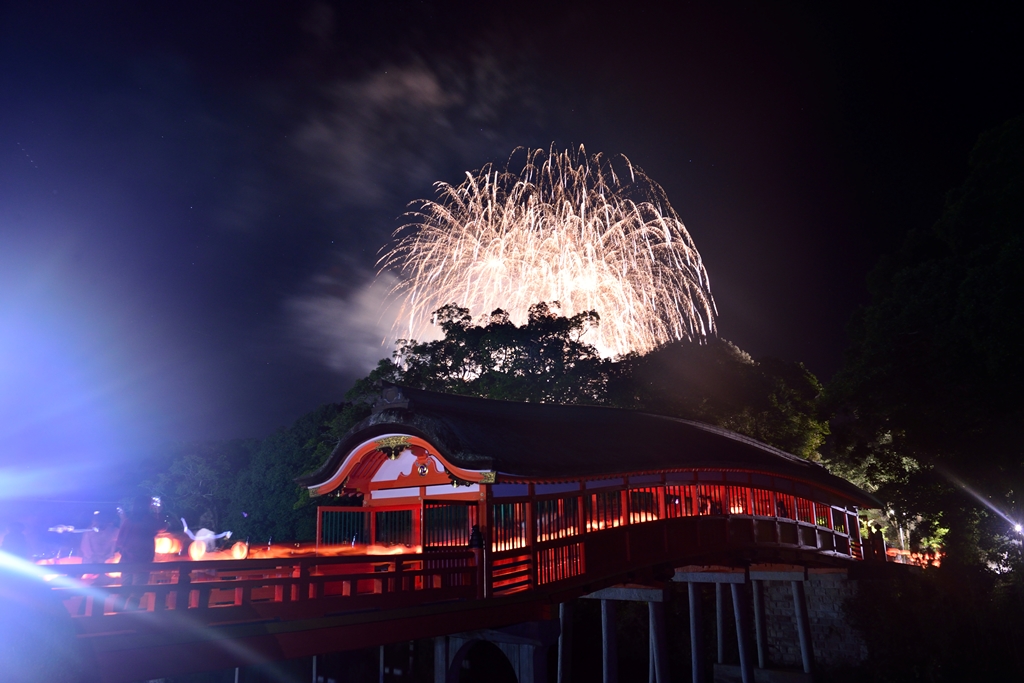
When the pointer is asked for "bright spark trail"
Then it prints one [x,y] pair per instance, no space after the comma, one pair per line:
[583,231]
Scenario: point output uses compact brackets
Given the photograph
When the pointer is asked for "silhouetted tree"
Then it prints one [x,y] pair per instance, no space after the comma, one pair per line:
[546,360]
[932,392]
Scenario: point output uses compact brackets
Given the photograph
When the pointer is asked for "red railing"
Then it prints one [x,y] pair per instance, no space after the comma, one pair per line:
[209,587]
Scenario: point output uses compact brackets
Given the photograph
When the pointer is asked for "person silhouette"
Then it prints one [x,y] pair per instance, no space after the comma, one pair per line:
[135,542]
[15,542]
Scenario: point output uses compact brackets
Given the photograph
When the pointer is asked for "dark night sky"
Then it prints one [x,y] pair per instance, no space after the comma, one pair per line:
[192,200]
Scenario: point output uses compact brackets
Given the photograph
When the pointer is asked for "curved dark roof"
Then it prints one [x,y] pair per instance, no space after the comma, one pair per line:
[558,442]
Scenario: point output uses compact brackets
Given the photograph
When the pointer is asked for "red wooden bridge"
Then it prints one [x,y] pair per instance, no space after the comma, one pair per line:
[448,514]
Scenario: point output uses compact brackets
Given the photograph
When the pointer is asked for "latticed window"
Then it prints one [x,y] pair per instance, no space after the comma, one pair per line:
[393,527]
[643,505]
[509,526]
[739,500]
[805,510]
[785,506]
[557,518]
[680,501]
[823,515]
[762,502]
[447,524]
[604,510]
[345,527]
[839,520]
[710,499]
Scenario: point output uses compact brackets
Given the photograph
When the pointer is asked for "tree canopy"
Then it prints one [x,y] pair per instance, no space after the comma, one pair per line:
[543,360]
[932,392]
[547,360]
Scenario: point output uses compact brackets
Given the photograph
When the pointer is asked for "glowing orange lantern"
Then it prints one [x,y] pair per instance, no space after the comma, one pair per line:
[196,550]
[167,545]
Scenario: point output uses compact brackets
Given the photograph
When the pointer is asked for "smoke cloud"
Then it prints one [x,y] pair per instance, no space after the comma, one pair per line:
[374,144]
[349,333]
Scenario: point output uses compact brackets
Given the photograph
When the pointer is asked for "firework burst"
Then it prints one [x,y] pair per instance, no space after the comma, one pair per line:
[583,231]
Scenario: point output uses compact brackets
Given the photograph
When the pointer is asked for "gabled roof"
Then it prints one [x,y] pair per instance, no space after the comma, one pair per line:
[549,442]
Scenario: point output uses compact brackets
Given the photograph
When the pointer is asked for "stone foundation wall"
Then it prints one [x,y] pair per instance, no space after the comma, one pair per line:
[836,642]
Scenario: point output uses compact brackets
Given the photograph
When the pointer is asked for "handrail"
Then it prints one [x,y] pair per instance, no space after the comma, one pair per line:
[176,586]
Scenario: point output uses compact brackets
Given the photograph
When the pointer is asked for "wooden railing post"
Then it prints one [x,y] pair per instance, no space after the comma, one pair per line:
[476,544]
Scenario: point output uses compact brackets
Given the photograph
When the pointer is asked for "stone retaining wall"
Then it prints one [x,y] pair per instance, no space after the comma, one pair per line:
[836,642]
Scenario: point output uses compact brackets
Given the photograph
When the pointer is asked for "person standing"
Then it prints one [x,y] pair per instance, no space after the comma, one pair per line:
[136,543]
[98,542]
[15,542]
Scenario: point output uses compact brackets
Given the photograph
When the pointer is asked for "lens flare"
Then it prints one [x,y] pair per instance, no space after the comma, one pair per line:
[591,233]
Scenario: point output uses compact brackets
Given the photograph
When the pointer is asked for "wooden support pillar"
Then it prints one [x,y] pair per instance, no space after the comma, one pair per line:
[609,654]
[720,620]
[803,626]
[696,633]
[742,633]
[314,668]
[380,676]
[760,627]
[441,659]
[652,675]
[565,643]
[658,645]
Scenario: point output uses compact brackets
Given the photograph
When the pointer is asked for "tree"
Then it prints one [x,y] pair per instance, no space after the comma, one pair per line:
[932,392]
[197,482]
[266,503]
[544,360]
[771,400]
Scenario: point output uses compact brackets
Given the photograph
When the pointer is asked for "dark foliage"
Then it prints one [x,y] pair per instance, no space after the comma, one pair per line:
[771,400]
[546,360]
[932,393]
[928,410]
[948,624]
[248,486]
[543,360]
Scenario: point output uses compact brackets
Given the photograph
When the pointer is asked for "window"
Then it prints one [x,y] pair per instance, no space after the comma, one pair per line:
[680,501]
[556,518]
[603,510]
[447,524]
[643,505]
[762,503]
[710,499]
[739,500]
[393,527]
[509,526]
[805,510]
[344,527]
[785,506]
[839,520]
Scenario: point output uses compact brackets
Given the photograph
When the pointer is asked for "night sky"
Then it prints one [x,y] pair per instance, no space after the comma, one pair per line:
[192,200]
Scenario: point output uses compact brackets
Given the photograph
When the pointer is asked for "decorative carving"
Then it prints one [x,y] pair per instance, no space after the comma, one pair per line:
[456,481]
[392,446]
[390,397]
[485,478]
